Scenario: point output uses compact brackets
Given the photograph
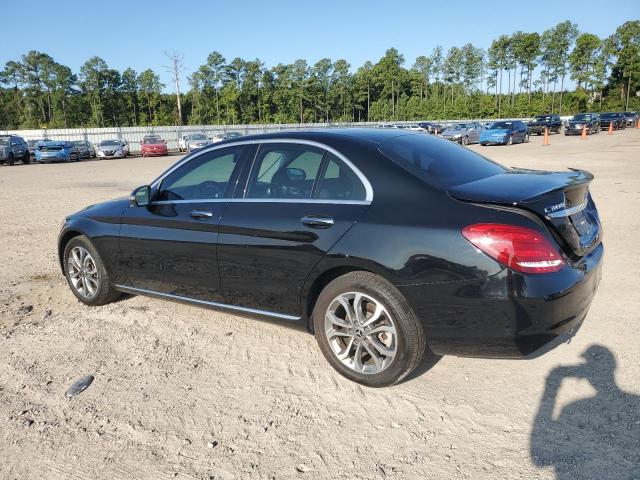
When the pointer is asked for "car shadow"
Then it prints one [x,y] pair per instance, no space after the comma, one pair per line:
[429,361]
[595,437]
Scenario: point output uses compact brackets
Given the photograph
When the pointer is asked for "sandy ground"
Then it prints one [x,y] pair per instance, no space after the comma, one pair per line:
[183,392]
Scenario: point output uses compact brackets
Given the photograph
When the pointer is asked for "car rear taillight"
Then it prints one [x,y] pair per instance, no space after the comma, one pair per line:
[519,248]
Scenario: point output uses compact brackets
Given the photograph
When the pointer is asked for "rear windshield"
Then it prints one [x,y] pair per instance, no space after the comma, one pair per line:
[505,125]
[439,161]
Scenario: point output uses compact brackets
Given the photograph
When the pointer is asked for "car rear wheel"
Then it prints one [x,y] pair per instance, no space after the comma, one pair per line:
[10,159]
[367,331]
[86,274]
[465,141]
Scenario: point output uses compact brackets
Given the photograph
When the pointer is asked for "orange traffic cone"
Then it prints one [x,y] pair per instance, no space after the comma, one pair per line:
[638,124]
[545,143]
[610,132]
[584,132]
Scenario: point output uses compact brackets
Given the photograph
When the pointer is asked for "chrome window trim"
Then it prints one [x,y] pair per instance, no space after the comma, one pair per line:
[264,200]
[222,306]
[365,181]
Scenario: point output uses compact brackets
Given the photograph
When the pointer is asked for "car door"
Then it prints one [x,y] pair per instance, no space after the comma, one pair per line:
[17,147]
[169,246]
[298,200]
[474,135]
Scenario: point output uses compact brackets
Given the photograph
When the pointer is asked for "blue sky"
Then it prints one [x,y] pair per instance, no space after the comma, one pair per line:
[136,33]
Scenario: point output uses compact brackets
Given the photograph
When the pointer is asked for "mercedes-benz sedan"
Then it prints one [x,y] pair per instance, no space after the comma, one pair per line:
[387,244]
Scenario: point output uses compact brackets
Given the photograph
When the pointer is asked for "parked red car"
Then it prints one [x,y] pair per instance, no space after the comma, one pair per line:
[152,146]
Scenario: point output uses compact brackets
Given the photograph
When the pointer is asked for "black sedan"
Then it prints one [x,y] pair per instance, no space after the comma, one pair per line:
[590,122]
[387,244]
[552,123]
[615,120]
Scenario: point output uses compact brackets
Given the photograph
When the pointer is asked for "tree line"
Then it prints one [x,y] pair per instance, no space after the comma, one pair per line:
[519,75]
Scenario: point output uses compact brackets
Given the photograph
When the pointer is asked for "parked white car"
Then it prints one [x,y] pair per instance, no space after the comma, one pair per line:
[193,141]
[112,149]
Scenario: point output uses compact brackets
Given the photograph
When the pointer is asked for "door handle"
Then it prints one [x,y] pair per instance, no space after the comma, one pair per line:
[201,214]
[317,221]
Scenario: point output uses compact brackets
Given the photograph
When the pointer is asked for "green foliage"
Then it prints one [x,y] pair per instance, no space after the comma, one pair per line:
[466,82]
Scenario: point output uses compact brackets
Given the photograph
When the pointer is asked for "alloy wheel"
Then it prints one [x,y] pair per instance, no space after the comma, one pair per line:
[83,272]
[361,333]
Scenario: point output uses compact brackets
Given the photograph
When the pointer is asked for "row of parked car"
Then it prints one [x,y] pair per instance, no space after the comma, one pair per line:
[14,148]
[507,132]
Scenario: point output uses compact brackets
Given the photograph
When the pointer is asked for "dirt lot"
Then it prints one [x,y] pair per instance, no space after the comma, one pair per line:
[183,392]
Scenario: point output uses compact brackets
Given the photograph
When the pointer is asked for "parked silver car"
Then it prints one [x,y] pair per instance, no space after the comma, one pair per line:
[464,133]
[193,141]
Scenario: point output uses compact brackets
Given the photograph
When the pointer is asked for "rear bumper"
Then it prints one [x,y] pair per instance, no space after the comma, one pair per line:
[507,315]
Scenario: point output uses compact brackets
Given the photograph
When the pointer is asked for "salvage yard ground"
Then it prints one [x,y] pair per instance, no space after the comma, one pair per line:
[188,393]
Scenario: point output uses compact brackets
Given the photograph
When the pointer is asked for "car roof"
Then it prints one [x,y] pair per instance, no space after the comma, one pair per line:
[330,135]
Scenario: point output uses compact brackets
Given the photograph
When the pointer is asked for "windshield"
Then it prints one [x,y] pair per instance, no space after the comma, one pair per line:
[110,142]
[460,126]
[582,116]
[502,125]
[630,114]
[608,115]
[198,136]
[439,161]
[543,118]
[152,141]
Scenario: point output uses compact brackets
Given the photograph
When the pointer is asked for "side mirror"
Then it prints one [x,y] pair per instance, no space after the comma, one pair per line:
[140,197]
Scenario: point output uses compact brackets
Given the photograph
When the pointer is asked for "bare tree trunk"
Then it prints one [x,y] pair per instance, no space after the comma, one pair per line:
[626,104]
[176,68]
[561,92]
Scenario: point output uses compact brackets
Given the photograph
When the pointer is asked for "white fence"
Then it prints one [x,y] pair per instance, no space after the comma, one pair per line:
[173,133]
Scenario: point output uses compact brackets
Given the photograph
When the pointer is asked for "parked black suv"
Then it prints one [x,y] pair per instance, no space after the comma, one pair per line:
[12,148]
[538,124]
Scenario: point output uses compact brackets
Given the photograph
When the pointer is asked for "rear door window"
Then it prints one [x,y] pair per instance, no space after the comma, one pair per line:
[284,170]
[339,182]
[439,162]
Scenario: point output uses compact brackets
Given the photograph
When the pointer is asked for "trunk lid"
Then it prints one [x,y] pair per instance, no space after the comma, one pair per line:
[560,199]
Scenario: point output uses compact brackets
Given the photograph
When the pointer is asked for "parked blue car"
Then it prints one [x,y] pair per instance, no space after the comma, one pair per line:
[57,151]
[505,133]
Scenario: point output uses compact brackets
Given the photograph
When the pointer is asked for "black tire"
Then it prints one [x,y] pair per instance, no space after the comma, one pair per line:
[105,292]
[411,342]
[483,144]
[10,160]
[465,141]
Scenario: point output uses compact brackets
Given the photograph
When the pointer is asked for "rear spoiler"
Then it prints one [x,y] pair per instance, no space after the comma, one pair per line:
[519,186]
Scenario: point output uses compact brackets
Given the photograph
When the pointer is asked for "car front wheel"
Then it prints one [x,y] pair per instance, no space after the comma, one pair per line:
[367,331]
[86,274]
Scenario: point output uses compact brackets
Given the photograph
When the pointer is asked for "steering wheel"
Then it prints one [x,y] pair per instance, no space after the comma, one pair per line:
[208,189]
